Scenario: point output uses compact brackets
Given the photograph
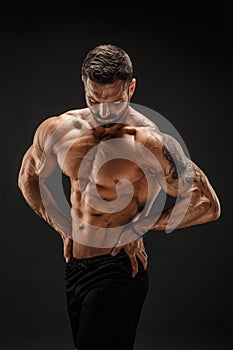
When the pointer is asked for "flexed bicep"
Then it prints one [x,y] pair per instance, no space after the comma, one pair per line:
[34,167]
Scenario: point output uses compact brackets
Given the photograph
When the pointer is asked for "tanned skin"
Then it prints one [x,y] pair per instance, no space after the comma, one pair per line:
[66,139]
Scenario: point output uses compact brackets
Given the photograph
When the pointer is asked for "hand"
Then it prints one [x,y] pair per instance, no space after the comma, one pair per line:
[133,249]
[67,248]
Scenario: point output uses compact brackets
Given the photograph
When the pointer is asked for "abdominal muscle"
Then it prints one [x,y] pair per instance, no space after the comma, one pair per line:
[100,210]
[95,232]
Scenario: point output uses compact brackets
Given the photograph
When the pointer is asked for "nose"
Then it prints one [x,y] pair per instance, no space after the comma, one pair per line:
[104,110]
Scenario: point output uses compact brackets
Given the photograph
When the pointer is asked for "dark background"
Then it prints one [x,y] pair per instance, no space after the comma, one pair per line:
[183,64]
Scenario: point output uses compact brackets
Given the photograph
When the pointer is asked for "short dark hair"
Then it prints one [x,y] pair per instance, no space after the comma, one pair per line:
[107,63]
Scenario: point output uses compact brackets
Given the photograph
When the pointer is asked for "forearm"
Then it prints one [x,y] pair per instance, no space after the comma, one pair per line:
[184,213]
[41,201]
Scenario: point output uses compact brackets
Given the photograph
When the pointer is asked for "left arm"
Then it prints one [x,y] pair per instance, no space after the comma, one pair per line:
[196,203]
[200,203]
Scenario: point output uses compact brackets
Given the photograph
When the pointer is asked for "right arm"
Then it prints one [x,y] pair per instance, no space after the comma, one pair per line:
[38,163]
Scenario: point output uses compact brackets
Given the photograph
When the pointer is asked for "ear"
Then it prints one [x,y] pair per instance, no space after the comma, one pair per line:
[132,87]
[84,81]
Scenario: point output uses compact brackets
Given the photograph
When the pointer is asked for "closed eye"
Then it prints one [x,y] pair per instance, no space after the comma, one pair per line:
[93,102]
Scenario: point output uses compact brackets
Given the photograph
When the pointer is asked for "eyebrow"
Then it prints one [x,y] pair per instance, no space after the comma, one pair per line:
[96,93]
[92,98]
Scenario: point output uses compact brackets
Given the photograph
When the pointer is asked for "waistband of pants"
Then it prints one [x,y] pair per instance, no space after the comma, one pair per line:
[98,258]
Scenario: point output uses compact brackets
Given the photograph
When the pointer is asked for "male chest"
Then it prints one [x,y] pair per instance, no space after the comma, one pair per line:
[103,160]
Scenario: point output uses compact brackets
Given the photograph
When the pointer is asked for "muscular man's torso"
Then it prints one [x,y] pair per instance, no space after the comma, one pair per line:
[107,172]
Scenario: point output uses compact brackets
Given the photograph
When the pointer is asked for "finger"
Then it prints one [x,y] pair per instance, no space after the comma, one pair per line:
[142,251]
[134,264]
[115,251]
[67,249]
[143,258]
[67,256]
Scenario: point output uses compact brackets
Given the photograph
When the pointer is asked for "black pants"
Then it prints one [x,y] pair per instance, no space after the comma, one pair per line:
[104,301]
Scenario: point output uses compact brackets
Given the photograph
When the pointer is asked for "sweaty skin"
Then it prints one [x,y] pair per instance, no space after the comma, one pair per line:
[64,141]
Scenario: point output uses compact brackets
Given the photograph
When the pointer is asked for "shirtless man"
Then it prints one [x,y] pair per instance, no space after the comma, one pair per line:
[95,147]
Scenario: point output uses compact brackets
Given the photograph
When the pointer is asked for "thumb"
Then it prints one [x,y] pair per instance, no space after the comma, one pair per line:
[67,255]
[68,244]
[115,251]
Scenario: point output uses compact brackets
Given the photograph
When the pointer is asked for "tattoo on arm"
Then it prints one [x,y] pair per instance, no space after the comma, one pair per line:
[198,177]
[168,157]
[180,167]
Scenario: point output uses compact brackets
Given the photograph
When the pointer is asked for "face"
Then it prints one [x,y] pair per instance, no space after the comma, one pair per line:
[108,102]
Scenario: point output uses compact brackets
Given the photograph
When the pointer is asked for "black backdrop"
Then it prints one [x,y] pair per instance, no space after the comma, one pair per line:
[182,58]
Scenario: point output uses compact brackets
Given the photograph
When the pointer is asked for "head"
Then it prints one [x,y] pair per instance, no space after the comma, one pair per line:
[107,74]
